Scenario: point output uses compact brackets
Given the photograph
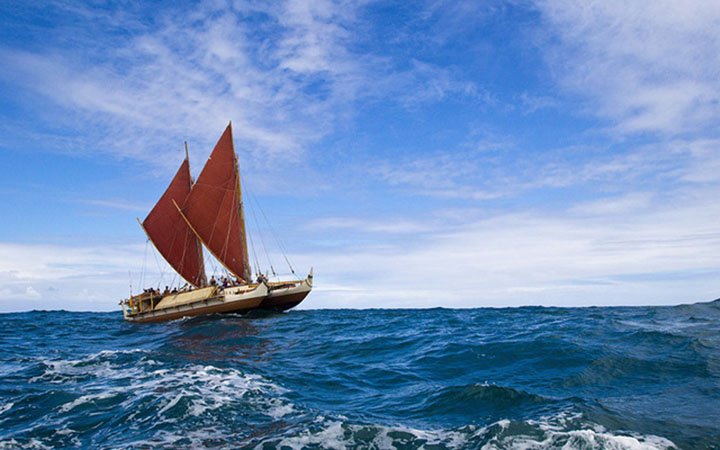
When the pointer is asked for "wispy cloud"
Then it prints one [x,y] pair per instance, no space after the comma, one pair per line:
[663,251]
[387,226]
[286,82]
[459,174]
[511,171]
[532,103]
[623,204]
[65,277]
[663,255]
[79,277]
[56,262]
[118,204]
[645,66]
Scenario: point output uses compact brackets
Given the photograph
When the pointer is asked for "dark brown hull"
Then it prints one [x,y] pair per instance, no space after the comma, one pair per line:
[282,302]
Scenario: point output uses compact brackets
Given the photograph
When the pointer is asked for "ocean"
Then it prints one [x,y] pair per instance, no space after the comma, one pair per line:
[509,378]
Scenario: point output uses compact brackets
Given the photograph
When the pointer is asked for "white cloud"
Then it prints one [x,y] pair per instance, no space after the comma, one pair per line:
[55,262]
[647,66]
[117,204]
[399,226]
[704,155]
[86,278]
[531,103]
[505,171]
[633,249]
[444,174]
[631,203]
[286,81]
[667,255]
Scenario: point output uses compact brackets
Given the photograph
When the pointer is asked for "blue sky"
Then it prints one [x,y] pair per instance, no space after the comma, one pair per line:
[417,154]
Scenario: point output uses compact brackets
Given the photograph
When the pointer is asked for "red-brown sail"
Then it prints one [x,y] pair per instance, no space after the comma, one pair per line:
[171,234]
[214,208]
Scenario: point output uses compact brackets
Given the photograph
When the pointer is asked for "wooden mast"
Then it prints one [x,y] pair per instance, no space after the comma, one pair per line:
[247,276]
[198,242]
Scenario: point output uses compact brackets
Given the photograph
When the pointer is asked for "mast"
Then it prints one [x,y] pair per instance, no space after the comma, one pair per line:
[198,243]
[243,233]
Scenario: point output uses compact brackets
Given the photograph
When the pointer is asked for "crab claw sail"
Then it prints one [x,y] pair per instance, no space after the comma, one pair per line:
[171,235]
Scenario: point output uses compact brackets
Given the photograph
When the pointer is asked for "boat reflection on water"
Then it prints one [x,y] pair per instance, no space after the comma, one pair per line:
[223,339]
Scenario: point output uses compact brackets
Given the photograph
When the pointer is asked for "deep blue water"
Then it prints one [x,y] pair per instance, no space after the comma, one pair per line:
[479,378]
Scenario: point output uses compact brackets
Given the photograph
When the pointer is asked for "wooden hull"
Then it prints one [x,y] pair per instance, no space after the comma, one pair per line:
[225,302]
[279,296]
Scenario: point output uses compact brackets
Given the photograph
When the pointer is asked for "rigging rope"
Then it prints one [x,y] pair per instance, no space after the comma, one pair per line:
[211,259]
[257,224]
[160,268]
[255,258]
[277,239]
[144,265]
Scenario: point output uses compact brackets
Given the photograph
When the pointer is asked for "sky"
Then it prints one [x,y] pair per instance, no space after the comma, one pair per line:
[415,154]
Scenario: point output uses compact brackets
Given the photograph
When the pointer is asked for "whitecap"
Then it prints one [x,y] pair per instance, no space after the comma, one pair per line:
[336,434]
[32,444]
[98,365]
[330,437]
[503,434]
[280,409]
[6,407]
[85,399]
[587,439]
[566,430]
[195,390]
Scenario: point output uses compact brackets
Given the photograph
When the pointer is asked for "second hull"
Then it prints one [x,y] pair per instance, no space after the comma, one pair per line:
[284,297]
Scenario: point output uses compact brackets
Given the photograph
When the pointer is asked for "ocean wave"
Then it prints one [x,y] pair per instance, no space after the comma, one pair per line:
[105,364]
[29,444]
[5,407]
[525,378]
[548,433]
[142,398]
[84,399]
[480,401]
